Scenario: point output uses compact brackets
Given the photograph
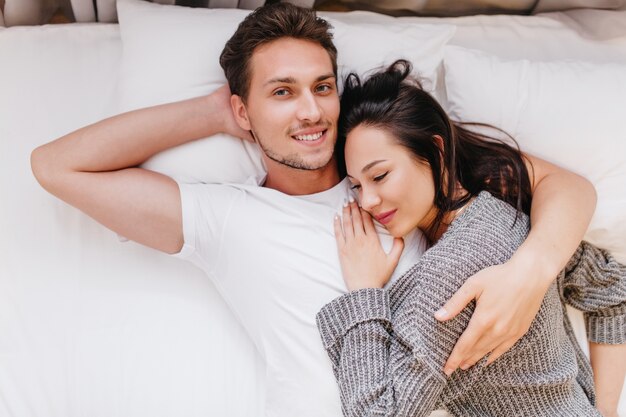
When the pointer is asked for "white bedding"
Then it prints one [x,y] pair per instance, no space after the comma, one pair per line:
[92,327]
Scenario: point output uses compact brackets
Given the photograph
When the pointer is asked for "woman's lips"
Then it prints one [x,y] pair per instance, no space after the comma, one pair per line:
[386,217]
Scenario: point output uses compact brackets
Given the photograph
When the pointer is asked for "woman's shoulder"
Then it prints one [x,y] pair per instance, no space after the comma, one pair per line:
[487,232]
[487,218]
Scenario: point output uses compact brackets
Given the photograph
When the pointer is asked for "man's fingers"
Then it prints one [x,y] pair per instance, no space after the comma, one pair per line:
[482,351]
[479,353]
[457,302]
[499,351]
[492,340]
[463,346]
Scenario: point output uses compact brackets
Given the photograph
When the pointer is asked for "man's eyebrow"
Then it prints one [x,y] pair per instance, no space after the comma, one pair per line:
[368,166]
[325,77]
[281,80]
[292,80]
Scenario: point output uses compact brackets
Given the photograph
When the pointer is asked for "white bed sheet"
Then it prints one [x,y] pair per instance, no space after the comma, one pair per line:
[92,327]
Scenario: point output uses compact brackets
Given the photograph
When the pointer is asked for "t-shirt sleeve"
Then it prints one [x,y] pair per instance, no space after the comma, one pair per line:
[205,210]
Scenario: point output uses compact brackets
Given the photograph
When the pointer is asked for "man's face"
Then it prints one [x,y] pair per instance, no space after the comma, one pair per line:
[292,106]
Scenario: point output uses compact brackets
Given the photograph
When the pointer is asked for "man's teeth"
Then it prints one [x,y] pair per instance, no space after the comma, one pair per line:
[314,136]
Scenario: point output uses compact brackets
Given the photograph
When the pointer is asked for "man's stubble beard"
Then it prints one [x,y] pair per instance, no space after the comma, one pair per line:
[292,160]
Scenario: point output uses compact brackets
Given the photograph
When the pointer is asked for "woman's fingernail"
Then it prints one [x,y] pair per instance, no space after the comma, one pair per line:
[448,371]
[441,313]
[351,199]
[465,366]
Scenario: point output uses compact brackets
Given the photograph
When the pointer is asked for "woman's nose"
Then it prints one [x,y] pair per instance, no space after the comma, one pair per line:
[369,199]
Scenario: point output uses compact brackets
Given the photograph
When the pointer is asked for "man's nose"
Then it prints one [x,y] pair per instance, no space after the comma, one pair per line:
[308,108]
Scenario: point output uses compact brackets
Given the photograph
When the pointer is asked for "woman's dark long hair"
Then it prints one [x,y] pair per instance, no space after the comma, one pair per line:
[391,101]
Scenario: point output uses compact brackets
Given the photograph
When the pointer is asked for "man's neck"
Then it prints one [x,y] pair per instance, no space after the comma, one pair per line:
[293,181]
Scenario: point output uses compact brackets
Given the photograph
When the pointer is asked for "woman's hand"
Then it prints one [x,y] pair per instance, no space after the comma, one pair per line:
[507,300]
[364,263]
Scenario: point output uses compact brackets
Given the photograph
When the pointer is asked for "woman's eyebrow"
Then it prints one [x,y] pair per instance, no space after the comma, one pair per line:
[371,164]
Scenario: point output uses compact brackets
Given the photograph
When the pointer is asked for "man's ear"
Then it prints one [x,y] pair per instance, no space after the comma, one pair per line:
[240,112]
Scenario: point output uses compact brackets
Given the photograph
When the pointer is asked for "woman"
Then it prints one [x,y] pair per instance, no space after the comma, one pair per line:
[470,195]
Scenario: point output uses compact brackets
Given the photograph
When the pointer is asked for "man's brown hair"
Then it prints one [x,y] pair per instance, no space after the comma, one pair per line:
[267,24]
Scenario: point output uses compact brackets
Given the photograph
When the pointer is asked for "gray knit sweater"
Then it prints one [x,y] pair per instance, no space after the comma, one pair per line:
[388,350]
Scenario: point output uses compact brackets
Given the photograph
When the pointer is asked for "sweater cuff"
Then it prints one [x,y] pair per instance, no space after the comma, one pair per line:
[609,330]
[336,318]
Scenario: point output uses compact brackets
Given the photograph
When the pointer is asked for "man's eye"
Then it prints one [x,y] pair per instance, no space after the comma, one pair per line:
[355,187]
[281,92]
[324,88]
[380,177]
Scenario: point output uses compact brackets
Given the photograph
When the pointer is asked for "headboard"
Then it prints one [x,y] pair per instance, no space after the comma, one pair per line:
[36,12]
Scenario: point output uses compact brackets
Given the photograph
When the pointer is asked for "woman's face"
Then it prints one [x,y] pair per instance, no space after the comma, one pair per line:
[395,188]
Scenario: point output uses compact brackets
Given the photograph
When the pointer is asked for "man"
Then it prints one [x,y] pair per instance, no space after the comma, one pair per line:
[281,68]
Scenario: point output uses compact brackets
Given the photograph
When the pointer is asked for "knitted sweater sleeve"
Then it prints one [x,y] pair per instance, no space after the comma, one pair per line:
[378,373]
[595,283]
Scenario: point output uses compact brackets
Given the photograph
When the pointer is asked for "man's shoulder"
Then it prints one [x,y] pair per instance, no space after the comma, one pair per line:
[203,188]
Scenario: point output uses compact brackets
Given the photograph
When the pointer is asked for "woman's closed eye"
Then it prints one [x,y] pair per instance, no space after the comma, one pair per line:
[380,177]
[377,178]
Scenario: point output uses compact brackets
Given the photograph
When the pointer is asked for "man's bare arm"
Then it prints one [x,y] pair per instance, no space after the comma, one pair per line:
[95,168]
[562,206]
[509,295]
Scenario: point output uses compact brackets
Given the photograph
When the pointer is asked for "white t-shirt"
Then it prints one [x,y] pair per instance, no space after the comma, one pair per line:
[273,258]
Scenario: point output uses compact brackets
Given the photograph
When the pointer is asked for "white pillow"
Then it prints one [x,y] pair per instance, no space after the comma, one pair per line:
[571,113]
[172,53]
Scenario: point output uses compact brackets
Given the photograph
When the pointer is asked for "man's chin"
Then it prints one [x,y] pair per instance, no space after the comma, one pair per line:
[299,163]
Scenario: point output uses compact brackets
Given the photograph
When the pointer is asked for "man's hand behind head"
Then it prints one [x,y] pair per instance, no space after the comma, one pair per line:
[222,98]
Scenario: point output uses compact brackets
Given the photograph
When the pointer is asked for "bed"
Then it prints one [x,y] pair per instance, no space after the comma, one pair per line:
[91,325]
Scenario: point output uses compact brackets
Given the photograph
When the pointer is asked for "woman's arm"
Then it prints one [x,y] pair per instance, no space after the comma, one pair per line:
[508,296]
[609,368]
[374,371]
[377,374]
[595,283]
[387,351]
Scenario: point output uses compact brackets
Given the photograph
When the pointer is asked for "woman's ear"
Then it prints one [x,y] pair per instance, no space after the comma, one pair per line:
[240,112]
[439,142]
[442,160]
